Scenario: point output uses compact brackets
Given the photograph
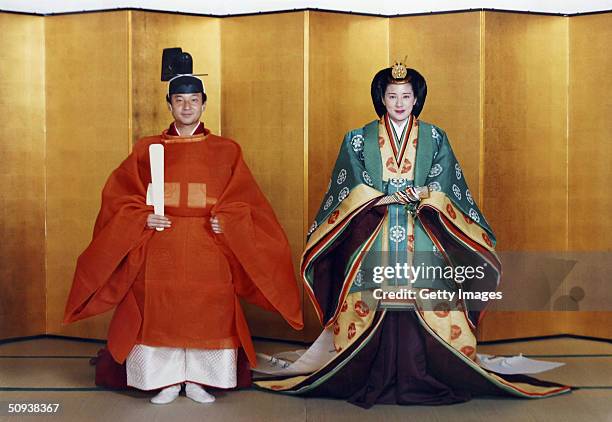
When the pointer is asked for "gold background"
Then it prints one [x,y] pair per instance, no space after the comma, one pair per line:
[262,66]
[589,169]
[339,76]
[87,137]
[590,149]
[525,148]
[523,98]
[22,176]
[445,49]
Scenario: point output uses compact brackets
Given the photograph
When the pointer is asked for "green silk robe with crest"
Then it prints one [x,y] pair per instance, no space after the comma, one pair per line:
[351,232]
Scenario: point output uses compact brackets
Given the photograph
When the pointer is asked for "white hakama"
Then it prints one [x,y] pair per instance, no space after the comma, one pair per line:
[150,368]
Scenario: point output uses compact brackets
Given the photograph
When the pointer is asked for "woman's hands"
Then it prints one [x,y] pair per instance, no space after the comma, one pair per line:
[405,197]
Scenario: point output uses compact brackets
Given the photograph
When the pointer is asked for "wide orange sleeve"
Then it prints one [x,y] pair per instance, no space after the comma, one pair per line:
[109,265]
[257,241]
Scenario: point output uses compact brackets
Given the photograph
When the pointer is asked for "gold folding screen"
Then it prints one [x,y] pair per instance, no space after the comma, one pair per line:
[343,53]
[22,176]
[263,110]
[87,137]
[446,50]
[589,151]
[525,148]
[590,109]
[287,86]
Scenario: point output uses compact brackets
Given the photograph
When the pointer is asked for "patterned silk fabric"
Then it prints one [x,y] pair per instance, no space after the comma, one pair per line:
[149,368]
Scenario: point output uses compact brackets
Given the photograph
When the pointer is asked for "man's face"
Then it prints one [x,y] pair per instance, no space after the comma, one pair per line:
[186,108]
[399,101]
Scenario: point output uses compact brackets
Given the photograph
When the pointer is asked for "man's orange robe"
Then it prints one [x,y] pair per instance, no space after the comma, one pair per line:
[180,287]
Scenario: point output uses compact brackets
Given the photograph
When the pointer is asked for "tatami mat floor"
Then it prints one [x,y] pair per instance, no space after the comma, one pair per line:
[52,370]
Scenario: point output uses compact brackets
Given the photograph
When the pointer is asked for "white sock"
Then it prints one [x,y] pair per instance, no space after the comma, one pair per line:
[196,393]
[167,395]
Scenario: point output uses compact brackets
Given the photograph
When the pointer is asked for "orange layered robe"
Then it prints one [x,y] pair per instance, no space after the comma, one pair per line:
[180,287]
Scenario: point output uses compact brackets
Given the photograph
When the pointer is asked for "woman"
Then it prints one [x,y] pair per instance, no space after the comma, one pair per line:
[397,202]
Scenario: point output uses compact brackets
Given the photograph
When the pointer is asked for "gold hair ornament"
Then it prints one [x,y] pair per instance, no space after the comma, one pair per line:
[399,71]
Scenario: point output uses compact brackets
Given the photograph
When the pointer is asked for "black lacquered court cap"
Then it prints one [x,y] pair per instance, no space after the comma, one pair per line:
[177,68]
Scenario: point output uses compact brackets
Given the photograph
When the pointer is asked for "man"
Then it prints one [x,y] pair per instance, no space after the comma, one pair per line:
[178,318]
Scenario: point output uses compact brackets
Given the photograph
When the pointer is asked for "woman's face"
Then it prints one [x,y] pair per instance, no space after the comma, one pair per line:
[399,101]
